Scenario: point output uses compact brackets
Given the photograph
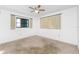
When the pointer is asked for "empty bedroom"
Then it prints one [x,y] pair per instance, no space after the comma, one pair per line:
[39,29]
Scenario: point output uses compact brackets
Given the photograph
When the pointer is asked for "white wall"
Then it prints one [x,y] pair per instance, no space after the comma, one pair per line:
[68,31]
[6,34]
[78,25]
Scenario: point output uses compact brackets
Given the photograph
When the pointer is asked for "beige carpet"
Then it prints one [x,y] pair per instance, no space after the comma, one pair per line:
[37,45]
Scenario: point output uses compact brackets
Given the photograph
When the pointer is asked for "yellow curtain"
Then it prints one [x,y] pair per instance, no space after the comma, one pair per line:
[13,21]
[30,23]
[50,22]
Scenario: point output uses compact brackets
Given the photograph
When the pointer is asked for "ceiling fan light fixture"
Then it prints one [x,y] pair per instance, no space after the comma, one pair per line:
[36,11]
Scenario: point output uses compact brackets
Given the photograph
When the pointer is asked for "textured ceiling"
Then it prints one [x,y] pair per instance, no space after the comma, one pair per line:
[24,9]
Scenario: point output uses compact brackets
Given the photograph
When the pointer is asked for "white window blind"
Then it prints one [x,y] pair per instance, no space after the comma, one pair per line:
[51,22]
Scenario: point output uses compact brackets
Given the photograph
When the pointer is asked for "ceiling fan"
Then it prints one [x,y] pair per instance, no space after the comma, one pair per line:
[37,9]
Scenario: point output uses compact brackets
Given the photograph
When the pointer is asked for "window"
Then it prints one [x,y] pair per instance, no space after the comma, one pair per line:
[51,22]
[18,22]
[22,23]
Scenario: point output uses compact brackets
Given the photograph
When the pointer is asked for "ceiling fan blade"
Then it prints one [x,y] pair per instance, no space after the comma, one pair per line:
[41,9]
[31,7]
[38,6]
[32,11]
